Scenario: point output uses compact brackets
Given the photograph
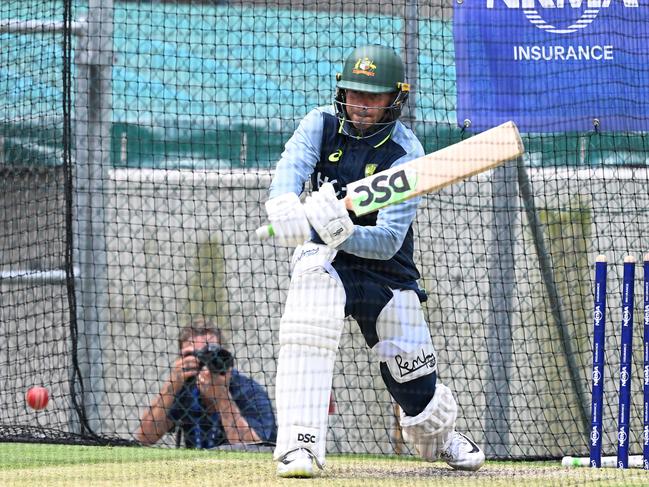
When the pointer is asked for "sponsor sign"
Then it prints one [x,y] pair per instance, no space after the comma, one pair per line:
[553,65]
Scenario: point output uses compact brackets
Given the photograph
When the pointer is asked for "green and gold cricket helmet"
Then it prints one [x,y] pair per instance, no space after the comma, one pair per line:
[372,69]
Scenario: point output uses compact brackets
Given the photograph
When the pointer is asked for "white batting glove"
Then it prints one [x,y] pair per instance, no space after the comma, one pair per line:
[290,224]
[328,216]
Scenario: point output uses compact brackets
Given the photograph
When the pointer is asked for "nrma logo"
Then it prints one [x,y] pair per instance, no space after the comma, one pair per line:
[560,16]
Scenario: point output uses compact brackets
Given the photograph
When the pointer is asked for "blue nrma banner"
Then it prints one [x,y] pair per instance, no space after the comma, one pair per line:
[553,65]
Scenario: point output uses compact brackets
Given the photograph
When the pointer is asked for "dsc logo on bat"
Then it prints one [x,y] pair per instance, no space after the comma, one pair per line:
[384,189]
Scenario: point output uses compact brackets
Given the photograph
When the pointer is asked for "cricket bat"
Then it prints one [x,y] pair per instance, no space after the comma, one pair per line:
[431,172]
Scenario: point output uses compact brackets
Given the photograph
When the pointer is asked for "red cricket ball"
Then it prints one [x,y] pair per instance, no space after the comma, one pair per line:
[37,397]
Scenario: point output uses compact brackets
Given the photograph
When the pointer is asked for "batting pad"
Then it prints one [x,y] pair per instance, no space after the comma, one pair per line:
[429,430]
[310,330]
[404,343]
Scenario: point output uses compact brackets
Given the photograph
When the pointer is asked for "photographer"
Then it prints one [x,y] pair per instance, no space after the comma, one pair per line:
[207,398]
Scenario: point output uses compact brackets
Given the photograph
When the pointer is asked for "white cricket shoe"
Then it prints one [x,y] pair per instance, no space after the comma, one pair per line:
[461,453]
[296,464]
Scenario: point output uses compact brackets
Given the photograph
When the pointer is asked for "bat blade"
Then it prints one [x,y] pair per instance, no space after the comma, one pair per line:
[431,172]
[435,171]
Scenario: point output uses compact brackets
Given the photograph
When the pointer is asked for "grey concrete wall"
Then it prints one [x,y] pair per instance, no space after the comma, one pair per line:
[181,243]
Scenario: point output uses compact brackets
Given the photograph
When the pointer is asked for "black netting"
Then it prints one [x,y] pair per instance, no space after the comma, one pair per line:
[137,146]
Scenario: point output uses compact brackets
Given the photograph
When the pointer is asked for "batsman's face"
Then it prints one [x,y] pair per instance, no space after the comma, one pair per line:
[366,109]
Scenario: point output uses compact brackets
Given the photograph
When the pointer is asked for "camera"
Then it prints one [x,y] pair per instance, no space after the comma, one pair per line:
[216,358]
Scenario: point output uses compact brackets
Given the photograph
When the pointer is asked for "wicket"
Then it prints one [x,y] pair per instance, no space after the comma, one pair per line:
[626,358]
[599,322]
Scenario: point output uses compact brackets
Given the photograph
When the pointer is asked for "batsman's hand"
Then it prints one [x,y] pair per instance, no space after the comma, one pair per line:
[328,216]
[290,224]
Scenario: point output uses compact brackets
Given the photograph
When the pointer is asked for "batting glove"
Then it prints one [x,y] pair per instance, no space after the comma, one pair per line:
[290,224]
[328,216]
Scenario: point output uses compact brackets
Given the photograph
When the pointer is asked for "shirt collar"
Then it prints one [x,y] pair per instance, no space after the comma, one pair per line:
[375,140]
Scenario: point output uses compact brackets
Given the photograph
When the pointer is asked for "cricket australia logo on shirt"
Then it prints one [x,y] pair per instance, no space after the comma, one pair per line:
[370,169]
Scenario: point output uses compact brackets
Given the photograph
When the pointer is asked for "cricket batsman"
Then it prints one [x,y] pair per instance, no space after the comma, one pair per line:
[359,266]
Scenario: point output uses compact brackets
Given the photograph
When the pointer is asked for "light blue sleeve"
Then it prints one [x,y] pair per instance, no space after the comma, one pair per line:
[301,153]
[384,239]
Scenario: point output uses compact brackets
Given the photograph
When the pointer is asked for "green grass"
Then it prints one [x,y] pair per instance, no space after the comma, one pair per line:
[65,465]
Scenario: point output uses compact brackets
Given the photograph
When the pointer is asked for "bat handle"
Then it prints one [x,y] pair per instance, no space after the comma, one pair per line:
[264,232]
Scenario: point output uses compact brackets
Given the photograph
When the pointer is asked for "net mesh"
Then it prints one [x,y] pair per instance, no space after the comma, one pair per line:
[138,142]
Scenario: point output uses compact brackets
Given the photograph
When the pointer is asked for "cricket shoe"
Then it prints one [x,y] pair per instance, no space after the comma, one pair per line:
[296,464]
[461,453]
